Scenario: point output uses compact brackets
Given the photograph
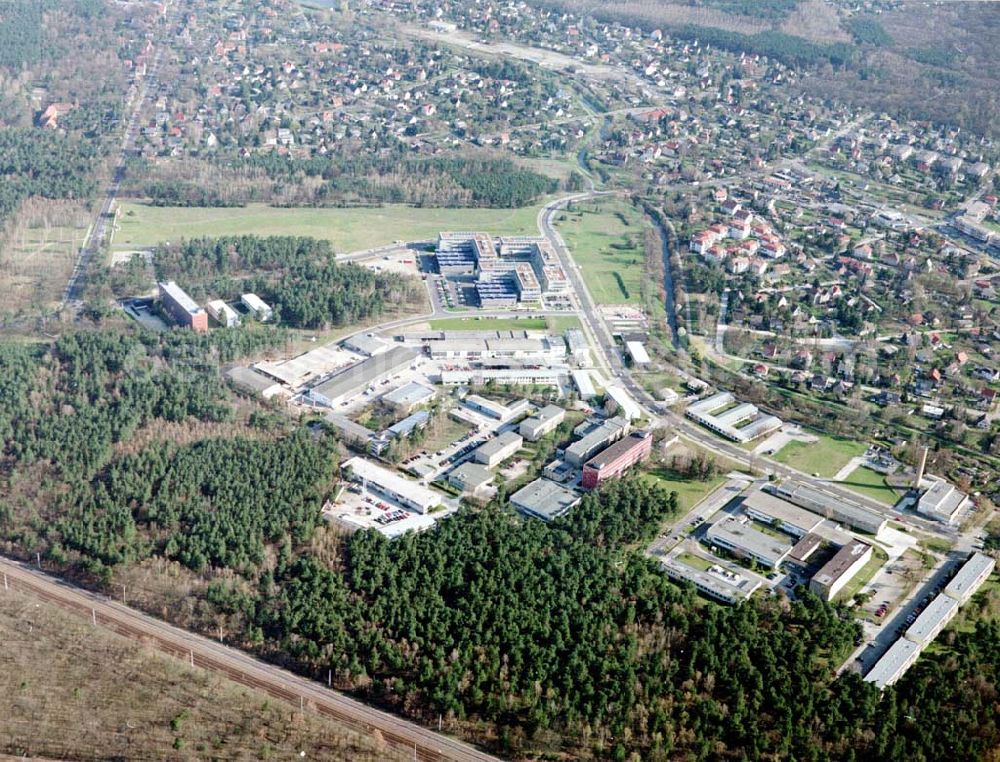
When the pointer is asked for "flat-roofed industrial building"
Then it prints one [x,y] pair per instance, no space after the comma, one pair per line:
[495,451]
[831,507]
[352,381]
[841,569]
[595,440]
[541,423]
[471,478]
[257,307]
[409,396]
[974,572]
[637,351]
[932,620]
[486,407]
[768,509]
[942,502]
[406,492]
[893,664]
[544,499]
[182,307]
[616,459]
[223,314]
[740,537]
[715,582]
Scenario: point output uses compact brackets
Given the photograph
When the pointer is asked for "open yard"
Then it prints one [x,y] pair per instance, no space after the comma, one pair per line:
[353,229]
[871,484]
[689,492]
[71,691]
[607,241]
[825,457]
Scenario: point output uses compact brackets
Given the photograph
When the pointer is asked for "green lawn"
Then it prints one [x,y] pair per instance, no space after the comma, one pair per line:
[605,248]
[489,324]
[347,229]
[689,493]
[563,323]
[825,457]
[695,562]
[871,484]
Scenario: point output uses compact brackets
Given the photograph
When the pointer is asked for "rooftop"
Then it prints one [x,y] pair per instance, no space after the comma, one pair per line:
[364,372]
[180,297]
[968,576]
[941,609]
[842,560]
[720,583]
[780,510]
[499,442]
[611,453]
[412,393]
[888,669]
[742,535]
[544,499]
[391,481]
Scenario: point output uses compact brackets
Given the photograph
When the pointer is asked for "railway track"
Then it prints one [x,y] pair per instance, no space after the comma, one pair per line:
[424,745]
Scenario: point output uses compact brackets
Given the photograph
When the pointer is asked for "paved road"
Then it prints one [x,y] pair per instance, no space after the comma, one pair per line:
[92,244]
[236,665]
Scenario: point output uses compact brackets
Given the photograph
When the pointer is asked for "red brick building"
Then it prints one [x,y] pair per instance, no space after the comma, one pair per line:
[616,459]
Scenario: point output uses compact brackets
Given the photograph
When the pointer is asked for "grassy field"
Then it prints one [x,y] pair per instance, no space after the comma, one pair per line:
[561,324]
[75,692]
[871,484]
[689,492]
[35,267]
[607,240]
[825,457]
[351,229]
[489,324]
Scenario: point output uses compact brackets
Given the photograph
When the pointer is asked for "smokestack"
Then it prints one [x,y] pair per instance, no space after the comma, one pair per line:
[921,464]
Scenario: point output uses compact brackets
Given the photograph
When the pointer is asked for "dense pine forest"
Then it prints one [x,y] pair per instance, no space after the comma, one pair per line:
[297,276]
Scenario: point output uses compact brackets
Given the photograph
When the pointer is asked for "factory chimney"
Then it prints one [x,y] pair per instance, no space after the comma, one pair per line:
[921,464]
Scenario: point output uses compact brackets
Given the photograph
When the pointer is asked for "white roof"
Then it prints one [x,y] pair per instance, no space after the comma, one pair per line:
[638,352]
[629,408]
[970,576]
[942,608]
[254,302]
[393,482]
[893,663]
[180,296]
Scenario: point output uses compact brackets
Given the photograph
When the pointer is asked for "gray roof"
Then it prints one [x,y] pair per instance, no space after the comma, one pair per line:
[470,475]
[363,373]
[544,499]
[409,394]
[251,380]
[499,442]
[781,510]
[979,565]
[938,611]
[893,663]
[746,538]
[346,426]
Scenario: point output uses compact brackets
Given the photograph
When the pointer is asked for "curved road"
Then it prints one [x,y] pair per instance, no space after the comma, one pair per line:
[207,654]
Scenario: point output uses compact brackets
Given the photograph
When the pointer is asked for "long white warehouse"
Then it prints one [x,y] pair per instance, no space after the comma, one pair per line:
[406,492]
